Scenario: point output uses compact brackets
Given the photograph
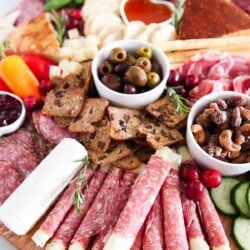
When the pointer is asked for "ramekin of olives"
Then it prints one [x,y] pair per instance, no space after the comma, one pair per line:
[130,73]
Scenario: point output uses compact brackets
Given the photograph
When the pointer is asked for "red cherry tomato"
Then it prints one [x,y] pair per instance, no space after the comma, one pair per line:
[3,86]
[194,190]
[211,178]
[189,171]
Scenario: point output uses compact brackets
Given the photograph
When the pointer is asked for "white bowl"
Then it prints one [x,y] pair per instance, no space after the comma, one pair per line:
[16,124]
[137,101]
[163,2]
[197,153]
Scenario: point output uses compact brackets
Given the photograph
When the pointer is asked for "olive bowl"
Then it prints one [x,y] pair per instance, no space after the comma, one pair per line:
[201,156]
[136,101]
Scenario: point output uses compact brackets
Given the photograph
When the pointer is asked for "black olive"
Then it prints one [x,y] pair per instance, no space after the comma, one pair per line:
[112,81]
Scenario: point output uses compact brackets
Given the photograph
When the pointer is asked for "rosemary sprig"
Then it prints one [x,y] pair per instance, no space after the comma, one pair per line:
[179,9]
[179,101]
[58,21]
[78,198]
[4,45]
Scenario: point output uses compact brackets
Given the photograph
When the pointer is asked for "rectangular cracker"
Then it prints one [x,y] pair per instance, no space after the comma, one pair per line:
[128,163]
[93,111]
[64,103]
[63,122]
[124,123]
[69,82]
[164,110]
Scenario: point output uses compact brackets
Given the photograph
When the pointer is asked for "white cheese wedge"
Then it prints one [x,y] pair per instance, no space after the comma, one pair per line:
[226,247]
[36,194]
[183,151]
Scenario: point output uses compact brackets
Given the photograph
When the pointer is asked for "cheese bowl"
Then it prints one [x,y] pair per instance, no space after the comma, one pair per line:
[140,100]
[200,155]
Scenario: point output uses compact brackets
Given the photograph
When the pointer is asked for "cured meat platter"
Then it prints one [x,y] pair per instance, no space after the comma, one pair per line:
[126,128]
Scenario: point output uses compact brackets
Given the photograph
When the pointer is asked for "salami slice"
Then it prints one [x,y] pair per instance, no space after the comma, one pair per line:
[125,186]
[141,199]
[211,223]
[101,211]
[68,228]
[193,228]
[153,237]
[137,245]
[174,227]
[9,180]
[58,213]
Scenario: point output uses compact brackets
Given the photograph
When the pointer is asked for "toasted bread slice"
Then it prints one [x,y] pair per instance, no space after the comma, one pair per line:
[37,36]
[211,18]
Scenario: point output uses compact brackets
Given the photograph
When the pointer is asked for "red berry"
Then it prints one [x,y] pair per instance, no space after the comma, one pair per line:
[181,91]
[72,23]
[191,81]
[194,190]
[30,102]
[77,14]
[211,178]
[175,78]
[45,86]
[189,172]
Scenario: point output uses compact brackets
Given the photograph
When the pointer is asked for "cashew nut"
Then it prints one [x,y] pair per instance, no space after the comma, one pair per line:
[225,140]
[242,158]
[199,133]
[244,129]
[245,113]
[233,155]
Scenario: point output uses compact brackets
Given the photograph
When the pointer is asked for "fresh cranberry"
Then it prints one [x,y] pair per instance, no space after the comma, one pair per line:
[30,102]
[191,81]
[45,86]
[189,171]
[211,178]
[175,78]
[194,190]
[72,23]
[76,13]
[181,91]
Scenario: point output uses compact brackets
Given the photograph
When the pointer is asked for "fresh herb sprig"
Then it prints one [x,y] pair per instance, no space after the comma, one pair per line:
[58,4]
[179,9]
[78,198]
[179,101]
[4,45]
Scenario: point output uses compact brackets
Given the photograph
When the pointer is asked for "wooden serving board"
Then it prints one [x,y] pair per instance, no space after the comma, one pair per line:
[25,242]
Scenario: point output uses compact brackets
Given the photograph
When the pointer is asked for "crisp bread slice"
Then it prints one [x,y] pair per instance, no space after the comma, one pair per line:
[124,123]
[64,103]
[63,122]
[128,163]
[115,153]
[100,140]
[164,110]
[93,111]
[158,135]
[86,76]
[69,82]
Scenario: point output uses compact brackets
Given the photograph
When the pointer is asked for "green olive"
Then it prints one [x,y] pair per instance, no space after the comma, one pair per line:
[144,63]
[105,67]
[153,80]
[145,51]
[131,59]
[117,55]
[136,76]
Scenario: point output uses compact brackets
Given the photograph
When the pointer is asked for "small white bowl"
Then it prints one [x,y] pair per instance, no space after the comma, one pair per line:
[137,101]
[197,153]
[16,124]
[163,2]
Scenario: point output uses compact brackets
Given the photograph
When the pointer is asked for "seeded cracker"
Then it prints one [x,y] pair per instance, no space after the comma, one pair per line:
[128,163]
[165,111]
[69,82]
[124,123]
[64,103]
[63,122]
[93,111]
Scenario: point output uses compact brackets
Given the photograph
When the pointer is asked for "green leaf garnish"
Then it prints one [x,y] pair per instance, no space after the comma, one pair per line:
[4,45]
[179,9]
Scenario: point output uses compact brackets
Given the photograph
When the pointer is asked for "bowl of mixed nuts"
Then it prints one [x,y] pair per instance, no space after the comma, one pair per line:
[218,132]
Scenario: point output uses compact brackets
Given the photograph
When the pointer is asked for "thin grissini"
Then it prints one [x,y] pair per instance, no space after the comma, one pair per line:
[141,199]
[101,211]
[67,229]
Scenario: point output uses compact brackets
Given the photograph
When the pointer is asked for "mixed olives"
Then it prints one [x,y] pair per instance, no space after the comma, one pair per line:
[130,73]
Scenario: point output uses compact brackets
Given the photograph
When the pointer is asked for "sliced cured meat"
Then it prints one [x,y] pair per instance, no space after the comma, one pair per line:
[193,228]
[23,160]
[153,237]
[9,180]
[101,211]
[243,4]
[141,199]
[73,220]
[58,212]
[211,223]
[137,245]
[242,84]
[125,186]
[49,129]
[174,227]
[204,88]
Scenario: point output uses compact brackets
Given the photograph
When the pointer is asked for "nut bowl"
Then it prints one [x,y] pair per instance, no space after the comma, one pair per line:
[140,100]
[197,153]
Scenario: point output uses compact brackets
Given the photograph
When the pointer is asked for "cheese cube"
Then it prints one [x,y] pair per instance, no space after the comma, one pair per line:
[75,68]
[54,71]
[73,34]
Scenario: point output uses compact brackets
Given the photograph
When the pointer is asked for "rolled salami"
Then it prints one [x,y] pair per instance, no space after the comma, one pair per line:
[68,228]
[141,199]
[137,245]
[174,227]
[211,223]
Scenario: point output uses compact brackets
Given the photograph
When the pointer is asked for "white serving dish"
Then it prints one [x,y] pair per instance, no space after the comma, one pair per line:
[137,101]
[197,153]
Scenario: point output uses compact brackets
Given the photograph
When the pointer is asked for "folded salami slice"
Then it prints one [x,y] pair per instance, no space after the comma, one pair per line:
[57,214]
[137,245]
[101,211]
[125,186]
[153,237]
[174,227]
[211,223]
[193,228]
[68,228]
[141,199]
